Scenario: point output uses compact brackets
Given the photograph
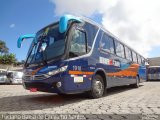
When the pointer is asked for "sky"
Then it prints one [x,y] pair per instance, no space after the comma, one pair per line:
[135,22]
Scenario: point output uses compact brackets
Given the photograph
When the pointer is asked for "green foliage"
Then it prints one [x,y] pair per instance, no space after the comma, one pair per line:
[7,59]
[3,47]
[5,56]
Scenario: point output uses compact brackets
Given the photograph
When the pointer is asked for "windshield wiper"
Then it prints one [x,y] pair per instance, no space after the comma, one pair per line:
[33,57]
[42,38]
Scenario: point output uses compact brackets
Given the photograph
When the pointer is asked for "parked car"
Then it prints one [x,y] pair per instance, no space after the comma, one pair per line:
[15,77]
[3,78]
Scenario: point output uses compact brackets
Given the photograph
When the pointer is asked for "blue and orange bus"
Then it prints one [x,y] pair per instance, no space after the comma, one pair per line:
[77,55]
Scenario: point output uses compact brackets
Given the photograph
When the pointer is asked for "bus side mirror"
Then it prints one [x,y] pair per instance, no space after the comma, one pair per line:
[21,38]
[63,23]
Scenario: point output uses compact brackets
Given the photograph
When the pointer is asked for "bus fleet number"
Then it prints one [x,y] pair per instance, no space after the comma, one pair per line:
[77,68]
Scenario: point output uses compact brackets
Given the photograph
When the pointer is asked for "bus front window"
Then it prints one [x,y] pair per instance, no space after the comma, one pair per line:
[50,44]
[78,44]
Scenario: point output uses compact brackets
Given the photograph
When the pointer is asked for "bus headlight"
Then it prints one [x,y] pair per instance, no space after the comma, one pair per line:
[59,70]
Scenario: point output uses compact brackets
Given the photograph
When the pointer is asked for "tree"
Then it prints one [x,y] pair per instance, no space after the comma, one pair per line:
[7,59]
[5,56]
[3,47]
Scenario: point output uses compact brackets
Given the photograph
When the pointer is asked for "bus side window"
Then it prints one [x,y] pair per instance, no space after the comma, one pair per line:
[139,59]
[128,53]
[78,44]
[119,49]
[91,31]
[134,55]
[143,60]
[106,44]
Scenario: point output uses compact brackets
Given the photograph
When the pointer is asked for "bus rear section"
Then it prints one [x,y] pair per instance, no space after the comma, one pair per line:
[154,73]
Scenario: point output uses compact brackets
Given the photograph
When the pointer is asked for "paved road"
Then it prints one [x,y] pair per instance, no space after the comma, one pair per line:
[119,100]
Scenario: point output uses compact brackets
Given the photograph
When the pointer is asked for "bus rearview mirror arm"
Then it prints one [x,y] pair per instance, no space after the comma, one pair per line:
[21,38]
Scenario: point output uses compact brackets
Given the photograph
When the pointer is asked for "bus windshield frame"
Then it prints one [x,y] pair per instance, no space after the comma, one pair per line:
[50,45]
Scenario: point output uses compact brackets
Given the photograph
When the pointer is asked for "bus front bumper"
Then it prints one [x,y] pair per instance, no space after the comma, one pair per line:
[48,85]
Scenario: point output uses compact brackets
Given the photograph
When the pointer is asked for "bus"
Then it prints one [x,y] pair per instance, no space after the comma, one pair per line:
[153,73]
[76,55]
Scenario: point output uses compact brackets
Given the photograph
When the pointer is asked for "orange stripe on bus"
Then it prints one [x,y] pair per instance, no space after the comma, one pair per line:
[35,71]
[131,71]
[80,73]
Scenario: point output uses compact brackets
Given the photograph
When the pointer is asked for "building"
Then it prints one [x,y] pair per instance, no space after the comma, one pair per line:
[154,61]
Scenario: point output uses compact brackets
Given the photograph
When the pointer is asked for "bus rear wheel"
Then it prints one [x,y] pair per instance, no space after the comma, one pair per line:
[136,85]
[97,89]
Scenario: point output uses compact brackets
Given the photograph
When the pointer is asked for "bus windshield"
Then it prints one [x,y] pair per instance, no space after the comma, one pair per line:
[50,44]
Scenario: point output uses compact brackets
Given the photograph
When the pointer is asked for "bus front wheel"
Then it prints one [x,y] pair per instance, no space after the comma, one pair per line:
[97,89]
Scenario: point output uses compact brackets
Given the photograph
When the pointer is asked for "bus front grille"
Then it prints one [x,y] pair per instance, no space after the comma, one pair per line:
[35,77]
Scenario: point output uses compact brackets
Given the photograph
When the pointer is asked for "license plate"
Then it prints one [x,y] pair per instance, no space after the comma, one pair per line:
[33,89]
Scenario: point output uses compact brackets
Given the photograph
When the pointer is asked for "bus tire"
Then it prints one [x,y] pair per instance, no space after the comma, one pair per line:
[137,83]
[97,89]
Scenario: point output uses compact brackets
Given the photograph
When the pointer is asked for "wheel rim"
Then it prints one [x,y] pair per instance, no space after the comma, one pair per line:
[98,87]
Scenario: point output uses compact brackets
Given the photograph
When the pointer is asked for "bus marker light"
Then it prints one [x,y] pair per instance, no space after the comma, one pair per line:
[84,75]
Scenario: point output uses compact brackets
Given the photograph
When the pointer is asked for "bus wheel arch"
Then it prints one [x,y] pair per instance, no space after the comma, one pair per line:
[98,85]
[136,85]
[103,75]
